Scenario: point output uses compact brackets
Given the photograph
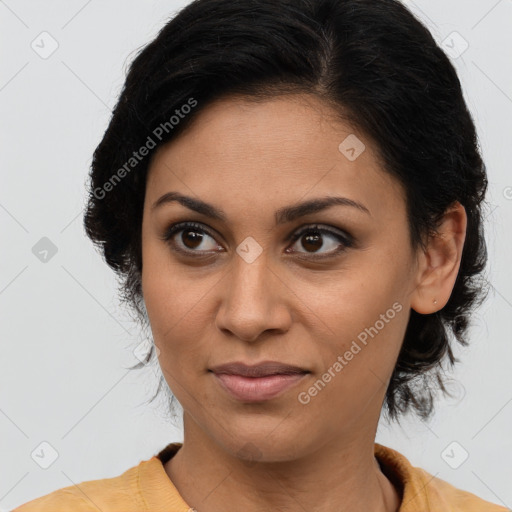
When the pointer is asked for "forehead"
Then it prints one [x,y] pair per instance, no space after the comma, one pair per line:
[284,149]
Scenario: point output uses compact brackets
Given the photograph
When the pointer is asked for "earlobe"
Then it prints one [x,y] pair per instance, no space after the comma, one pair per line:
[440,262]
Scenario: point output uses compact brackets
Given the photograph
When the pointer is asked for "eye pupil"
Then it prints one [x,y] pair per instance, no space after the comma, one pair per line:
[312,239]
[192,236]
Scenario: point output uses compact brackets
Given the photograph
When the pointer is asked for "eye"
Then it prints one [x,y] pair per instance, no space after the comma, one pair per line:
[194,239]
[193,236]
[312,238]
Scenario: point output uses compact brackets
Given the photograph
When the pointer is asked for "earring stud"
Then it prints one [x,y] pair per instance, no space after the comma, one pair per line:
[435,301]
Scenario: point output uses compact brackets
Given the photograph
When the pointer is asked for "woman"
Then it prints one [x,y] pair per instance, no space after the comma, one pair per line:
[291,192]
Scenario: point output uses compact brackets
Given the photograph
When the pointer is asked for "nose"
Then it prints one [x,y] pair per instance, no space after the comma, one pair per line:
[254,299]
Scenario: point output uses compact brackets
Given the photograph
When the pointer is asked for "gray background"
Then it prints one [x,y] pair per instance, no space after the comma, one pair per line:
[66,343]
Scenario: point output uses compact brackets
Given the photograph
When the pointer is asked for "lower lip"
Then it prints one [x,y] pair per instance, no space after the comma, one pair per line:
[257,389]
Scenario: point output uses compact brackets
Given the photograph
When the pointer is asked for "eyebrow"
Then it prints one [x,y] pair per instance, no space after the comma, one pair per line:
[283,215]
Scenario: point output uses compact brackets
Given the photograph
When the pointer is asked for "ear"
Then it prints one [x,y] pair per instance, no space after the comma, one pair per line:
[439,264]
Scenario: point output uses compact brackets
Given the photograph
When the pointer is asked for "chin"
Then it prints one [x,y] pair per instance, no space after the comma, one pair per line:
[252,447]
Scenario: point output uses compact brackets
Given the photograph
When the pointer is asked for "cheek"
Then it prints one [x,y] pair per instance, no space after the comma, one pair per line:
[363,318]
[174,332]
[357,366]
[163,288]
[179,312]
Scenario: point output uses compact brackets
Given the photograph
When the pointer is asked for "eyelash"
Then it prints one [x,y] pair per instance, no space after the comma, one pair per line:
[346,241]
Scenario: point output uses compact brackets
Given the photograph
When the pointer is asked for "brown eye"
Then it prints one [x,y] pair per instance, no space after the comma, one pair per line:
[312,239]
[190,238]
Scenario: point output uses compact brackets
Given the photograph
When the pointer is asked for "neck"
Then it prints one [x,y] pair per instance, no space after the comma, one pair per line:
[334,477]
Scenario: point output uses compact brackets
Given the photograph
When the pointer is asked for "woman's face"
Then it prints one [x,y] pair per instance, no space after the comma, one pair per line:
[335,301]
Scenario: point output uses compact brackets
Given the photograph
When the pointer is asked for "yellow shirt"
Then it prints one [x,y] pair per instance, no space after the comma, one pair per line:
[147,487]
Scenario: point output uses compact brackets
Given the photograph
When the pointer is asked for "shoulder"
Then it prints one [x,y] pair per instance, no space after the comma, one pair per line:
[423,491]
[142,487]
[104,494]
[58,501]
[457,500]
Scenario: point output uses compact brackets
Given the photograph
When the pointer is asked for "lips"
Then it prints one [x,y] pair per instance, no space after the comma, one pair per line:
[263,369]
[257,383]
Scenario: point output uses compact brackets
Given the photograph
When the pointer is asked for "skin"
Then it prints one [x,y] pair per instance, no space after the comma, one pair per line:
[250,159]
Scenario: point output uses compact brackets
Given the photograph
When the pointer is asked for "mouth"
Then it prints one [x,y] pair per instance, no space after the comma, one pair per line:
[263,369]
[257,383]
